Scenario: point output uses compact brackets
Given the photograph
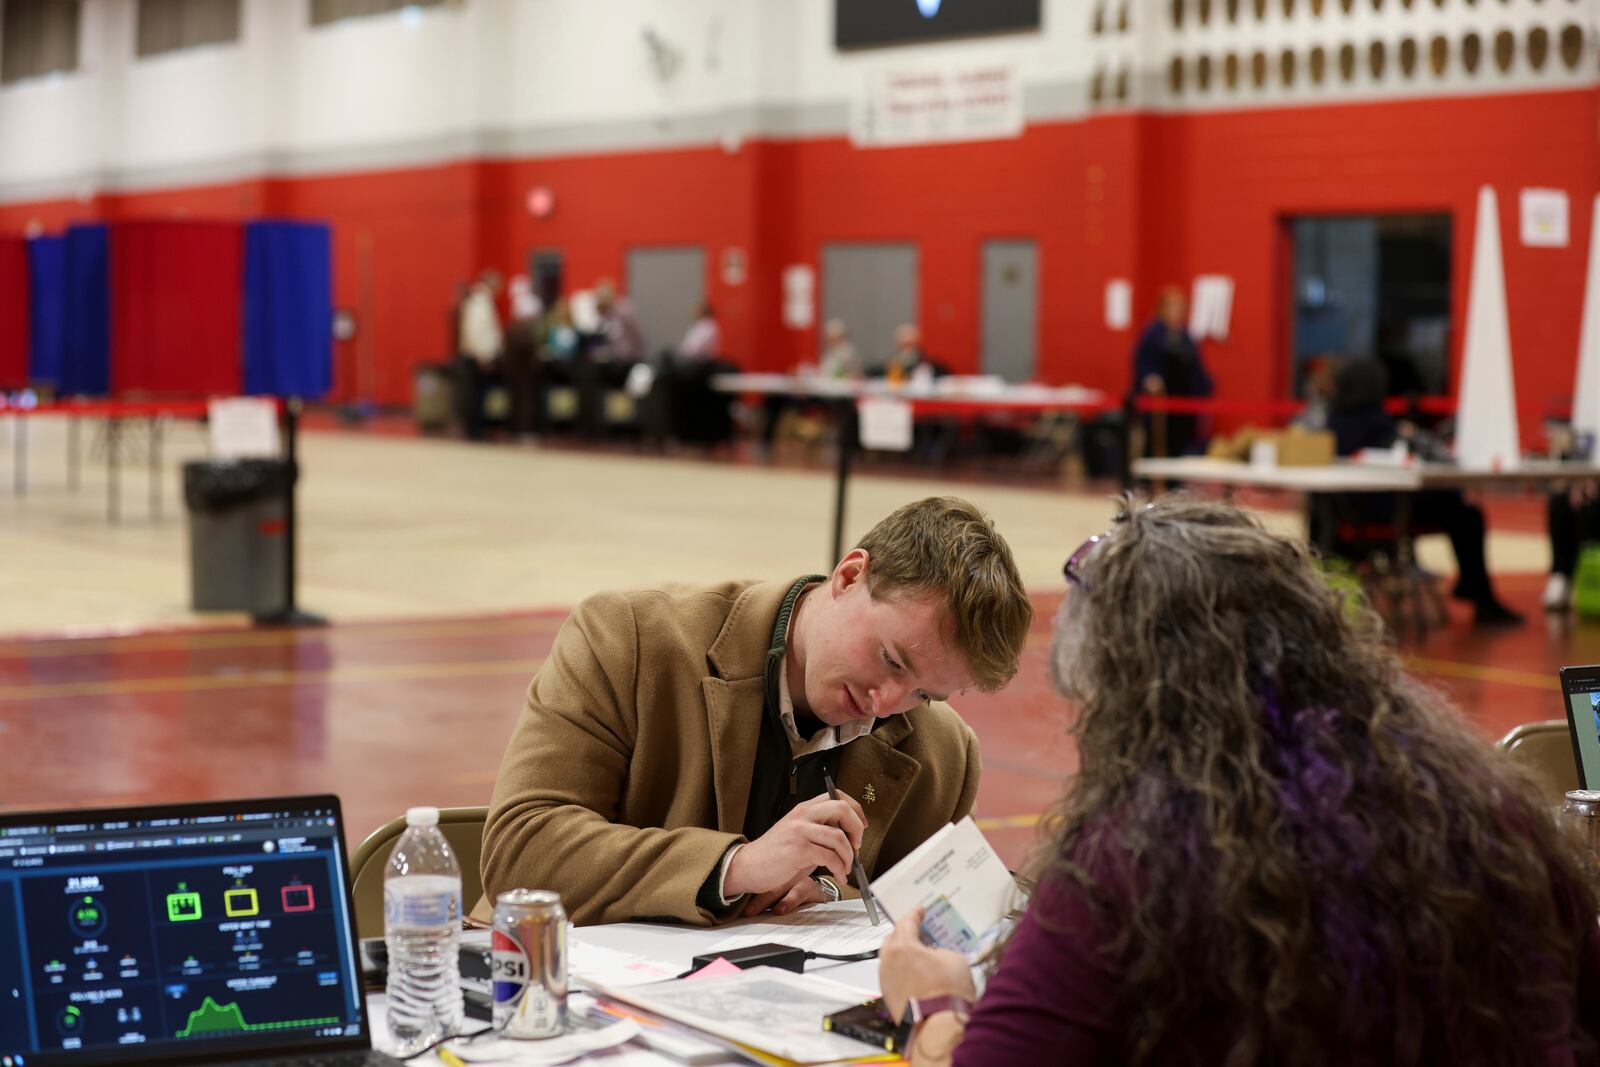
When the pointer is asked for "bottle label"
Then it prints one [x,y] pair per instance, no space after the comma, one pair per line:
[434,902]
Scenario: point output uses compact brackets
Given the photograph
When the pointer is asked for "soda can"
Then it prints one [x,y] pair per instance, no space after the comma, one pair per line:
[528,963]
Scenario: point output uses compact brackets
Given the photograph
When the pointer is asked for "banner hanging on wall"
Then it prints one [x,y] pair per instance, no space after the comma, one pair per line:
[933,106]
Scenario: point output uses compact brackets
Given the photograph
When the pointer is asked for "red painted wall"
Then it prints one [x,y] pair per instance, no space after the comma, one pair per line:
[1152,198]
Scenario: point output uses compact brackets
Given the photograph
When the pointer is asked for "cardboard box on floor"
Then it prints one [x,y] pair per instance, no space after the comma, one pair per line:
[1295,447]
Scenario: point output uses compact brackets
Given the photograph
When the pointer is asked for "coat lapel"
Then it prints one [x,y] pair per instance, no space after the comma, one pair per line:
[733,717]
[878,775]
[735,698]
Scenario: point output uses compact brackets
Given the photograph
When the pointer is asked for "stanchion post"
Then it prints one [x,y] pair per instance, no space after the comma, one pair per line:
[290,614]
[1129,413]
[153,455]
[848,429]
[113,468]
[19,434]
[73,423]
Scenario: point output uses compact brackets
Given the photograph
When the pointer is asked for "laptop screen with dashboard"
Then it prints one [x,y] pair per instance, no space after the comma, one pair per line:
[192,933]
[1580,688]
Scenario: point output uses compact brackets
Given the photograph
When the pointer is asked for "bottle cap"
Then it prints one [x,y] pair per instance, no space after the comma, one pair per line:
[422,816]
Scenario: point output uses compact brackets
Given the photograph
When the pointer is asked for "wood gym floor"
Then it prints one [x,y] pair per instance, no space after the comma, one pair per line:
[446,568]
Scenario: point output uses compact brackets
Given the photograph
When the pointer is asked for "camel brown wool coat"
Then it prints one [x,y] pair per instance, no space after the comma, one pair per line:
[628,775]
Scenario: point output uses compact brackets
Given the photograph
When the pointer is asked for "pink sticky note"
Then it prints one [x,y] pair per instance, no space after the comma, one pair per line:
[716,969]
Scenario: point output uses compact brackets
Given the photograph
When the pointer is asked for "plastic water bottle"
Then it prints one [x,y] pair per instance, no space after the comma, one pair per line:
[422,931]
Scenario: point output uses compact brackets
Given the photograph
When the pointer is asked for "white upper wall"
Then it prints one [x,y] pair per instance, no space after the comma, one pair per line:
[478,77]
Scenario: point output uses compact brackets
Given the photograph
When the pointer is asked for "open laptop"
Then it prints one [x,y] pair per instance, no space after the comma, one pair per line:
[1580,688]
[190,934]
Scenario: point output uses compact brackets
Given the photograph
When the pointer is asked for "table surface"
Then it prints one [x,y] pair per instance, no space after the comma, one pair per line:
[964,390]
[675,945]
[1358,477]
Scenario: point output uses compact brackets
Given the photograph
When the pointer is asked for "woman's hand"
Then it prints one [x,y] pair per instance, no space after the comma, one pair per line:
[907,968]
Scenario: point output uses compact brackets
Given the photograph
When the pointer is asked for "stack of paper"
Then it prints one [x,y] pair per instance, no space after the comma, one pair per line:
[774,1012]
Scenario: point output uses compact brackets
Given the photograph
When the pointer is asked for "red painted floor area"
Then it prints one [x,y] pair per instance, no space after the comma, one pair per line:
[389,715]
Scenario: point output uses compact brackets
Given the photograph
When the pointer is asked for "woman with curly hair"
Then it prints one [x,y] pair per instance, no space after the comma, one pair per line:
[1278,849]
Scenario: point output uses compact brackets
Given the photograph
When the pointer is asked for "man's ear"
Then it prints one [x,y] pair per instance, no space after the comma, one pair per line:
[850,571]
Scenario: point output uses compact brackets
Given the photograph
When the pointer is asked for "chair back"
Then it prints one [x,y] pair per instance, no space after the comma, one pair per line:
[1545,750]
[462,827]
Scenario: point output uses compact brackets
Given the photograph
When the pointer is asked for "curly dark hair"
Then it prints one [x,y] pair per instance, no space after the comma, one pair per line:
[1319,854]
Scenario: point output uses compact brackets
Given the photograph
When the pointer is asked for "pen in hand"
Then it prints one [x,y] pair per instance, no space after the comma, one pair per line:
[855,862]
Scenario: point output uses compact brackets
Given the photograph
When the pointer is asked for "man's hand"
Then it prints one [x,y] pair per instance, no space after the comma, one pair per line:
[805,890]
[817,833]
[907,968]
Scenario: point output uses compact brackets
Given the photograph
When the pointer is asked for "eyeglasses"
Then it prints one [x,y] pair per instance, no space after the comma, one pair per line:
[1069,570]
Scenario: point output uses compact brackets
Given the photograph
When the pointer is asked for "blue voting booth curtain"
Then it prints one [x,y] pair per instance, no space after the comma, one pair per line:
[288,309]
[47,308]
[86,353]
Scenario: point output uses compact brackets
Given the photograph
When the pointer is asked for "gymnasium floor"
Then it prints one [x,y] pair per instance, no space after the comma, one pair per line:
[447,568]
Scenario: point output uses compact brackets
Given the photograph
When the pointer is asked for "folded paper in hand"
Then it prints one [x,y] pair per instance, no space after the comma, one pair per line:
[961,883]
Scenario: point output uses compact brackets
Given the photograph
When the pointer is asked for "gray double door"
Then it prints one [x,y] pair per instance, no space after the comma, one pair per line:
[870,286]
[667,285]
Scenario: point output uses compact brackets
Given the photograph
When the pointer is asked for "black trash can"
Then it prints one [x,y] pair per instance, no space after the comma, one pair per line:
[238,534]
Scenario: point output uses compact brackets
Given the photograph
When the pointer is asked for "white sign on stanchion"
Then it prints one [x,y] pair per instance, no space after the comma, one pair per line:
[244,427]
[1486,414]
[1586,393]
[885,423]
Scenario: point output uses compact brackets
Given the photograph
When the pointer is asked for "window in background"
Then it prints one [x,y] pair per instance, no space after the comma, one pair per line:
[173,25]
[326,11]
[37,37]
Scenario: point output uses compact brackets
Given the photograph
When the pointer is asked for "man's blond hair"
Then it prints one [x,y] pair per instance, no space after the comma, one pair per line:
[947,547]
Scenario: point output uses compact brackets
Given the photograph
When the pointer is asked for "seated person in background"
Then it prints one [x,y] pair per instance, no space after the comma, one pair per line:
[1277,848]
[839,359]
[670,760]
[1358,420]
[909,362]
[704,337]
[1573,517]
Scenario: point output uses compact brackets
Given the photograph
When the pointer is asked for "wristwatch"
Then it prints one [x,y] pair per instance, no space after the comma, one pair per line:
[922,1007]
[829,888]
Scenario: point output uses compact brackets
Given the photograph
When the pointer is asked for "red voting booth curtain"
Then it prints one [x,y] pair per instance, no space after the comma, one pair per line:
[175,305]
[13,312]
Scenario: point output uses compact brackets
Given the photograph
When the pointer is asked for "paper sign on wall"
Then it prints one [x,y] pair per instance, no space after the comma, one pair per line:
[936,105]
[1212,307]
[1544,218]
[1119,304]
[244,427]
[885,423]
[798,303]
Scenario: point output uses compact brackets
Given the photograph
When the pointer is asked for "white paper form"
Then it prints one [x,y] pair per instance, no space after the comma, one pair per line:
[838,928]
[959,878]
[591,965]
[775,1011]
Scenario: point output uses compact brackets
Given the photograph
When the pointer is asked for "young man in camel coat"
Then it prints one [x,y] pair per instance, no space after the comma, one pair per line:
[670,760]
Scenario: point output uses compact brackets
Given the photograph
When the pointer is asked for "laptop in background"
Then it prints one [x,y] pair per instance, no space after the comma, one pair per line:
[186,934]
[1580,689]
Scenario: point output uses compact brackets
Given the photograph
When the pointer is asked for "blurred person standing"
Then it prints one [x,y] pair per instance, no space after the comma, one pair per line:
[621,339]
[479,345]
[520,363]
[1167,363]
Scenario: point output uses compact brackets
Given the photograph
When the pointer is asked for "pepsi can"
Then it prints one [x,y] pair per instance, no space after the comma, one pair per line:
[528,963]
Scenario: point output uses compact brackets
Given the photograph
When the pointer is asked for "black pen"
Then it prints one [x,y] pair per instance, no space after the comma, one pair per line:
[855,862]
